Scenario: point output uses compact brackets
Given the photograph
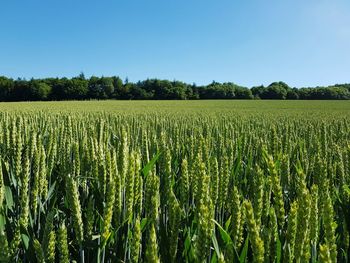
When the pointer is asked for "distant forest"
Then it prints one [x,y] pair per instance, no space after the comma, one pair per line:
[81,88]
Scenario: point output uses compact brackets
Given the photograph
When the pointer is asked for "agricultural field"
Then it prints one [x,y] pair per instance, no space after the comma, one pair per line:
[175,181]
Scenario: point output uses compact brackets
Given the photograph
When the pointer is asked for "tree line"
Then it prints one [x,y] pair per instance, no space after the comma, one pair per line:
[81,88]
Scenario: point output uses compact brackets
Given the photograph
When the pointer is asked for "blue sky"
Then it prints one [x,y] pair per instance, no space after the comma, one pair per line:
[304,43]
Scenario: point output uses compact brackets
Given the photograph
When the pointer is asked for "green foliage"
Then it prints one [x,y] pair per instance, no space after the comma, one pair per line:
[80,88]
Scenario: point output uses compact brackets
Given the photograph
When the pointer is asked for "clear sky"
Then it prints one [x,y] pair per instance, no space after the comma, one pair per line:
[249,42]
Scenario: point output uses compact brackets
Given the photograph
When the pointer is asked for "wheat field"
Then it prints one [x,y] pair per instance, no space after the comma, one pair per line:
[175,181]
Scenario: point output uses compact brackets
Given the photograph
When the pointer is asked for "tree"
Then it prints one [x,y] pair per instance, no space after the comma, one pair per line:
[118,87]
[244,93]
[216,90]
[39,90]
[21,90]
[292,94]
[275,91]
[76,88]
[257,91]
[329,93]
[80,88]
[6,88]
[304,93]
[100,88]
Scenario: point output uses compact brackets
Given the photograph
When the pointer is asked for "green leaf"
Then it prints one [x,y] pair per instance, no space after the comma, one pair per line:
[16,183]
[31,223]
[313,253]
[215,243]
[2,222]
[244,253]
[228,241]
[150,165]
[187,242]
[49,193]
[214,259]
[143,224]
[25,240]
[279,250]
[188,251]
[228,223]
[8,197]
[224,235]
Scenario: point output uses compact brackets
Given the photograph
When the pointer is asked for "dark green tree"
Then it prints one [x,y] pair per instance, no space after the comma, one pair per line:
[292,94]
[39,90]
[275,91]
[6,88]
[100,88]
